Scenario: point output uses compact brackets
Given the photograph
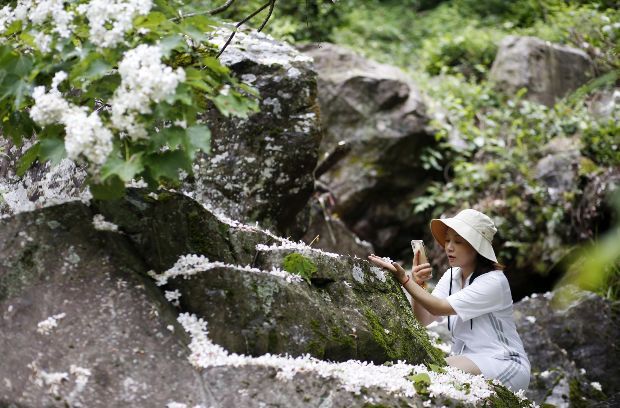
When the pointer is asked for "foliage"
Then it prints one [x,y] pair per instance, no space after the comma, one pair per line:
[470,53]
[293,21]
[589,27]
[298,264]
[492,144]
[597,265]
[117,86]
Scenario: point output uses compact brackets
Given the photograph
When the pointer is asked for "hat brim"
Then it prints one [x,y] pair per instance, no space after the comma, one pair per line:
[475,239]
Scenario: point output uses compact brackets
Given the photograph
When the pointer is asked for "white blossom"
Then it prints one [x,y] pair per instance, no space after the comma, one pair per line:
[43,42]
[48,108]
[46,326]
[110,20]
[101,224]
[86,135]
[144,79]
[188,265]
[351,375]
[50,380]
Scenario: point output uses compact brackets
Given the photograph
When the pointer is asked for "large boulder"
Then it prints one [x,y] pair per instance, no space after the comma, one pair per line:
[261,168]
[238,285]
[571,338]
[82,326]
[376,127]
[79,324]
[548,71]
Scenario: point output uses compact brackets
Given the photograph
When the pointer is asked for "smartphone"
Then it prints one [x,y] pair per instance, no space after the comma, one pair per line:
[418,245]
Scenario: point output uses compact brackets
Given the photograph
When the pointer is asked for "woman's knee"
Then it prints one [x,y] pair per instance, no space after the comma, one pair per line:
[464,364]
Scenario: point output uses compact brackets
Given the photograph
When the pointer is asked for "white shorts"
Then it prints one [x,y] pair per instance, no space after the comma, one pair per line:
[514,374]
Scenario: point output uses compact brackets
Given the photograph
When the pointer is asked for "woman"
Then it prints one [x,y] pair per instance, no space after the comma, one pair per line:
[475,295]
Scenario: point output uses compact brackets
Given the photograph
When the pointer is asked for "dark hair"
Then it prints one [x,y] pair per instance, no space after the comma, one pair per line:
[483,265]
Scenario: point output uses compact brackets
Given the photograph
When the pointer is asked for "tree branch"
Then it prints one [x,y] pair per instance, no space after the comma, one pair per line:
[271,7]
[221,8]
[263,7]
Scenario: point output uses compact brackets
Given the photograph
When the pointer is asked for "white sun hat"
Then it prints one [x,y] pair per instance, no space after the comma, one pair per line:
[475,227]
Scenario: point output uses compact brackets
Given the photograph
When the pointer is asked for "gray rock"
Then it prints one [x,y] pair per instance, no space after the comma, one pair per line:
[110,346]
[380,115]
[558,170]
[333,234]
[604,103]
[41,186]
[350,309]
[261,168]
[80,326]
[596,209]
[570,337]
[548,71]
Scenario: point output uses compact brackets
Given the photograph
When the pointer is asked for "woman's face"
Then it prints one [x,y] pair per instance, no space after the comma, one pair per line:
[460,253]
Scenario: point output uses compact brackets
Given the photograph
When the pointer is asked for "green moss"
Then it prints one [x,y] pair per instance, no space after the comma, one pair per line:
[504,398]
[323,338]
[406,338]
[298,264]
[379,334]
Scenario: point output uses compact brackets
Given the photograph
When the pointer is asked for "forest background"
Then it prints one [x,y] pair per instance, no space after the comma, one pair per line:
[448,48]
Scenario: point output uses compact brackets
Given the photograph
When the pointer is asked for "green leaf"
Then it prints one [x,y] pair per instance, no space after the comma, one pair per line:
[18,89]
[151,21]
[200,138]
[234,104]
[166,165]
[436,368]
[110,189]
[90,67]
[215,65]
[173,137]
[52,150]
[125,170]
[201,22]
[170,43]
[299,264]
[421,382]
[27,159]
[17,125]
[183,94]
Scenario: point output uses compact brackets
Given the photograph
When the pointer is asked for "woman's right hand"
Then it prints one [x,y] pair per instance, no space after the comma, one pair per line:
[421,273]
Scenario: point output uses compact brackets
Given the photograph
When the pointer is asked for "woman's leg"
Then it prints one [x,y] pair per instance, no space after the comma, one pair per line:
[463,363]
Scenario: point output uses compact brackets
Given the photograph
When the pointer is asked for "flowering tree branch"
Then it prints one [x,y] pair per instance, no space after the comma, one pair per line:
[146,71]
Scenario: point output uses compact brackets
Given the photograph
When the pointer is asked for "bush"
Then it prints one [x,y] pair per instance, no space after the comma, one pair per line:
[470,52]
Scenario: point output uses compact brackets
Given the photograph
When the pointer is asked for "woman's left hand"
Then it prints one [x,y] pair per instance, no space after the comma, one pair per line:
[397,271]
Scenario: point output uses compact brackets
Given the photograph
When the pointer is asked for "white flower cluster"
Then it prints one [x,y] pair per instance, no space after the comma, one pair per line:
[38,13]
[50,380]
[108,20]
[85,133]
[188,265]
[46,326]
[101,224]
[298,246]
[144,80]
[353,375]
[173,297]
[116,14]
[81,376]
